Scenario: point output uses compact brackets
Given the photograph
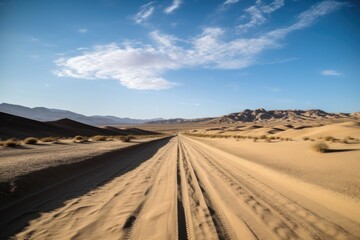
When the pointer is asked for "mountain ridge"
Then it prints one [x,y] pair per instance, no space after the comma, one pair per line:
[49,114]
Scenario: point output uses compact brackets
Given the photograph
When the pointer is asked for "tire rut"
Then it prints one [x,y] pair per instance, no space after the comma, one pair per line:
[205,218]
[286,218]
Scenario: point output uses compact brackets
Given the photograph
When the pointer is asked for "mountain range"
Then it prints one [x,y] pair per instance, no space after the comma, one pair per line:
[257,115]
[261,115]
[47,114]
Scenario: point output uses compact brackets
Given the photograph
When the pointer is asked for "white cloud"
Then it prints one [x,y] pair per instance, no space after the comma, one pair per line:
[307,18]
[135,68]
[83,30]
[230,2]
[175,4]
[330,72]
[144,13]
[256,14]
[275,5]
[141,66]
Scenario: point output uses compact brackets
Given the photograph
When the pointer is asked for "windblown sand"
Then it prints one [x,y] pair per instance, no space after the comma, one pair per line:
[199,188]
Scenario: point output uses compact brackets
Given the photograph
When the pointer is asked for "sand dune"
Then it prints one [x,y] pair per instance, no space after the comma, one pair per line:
[180,188]
[19,127]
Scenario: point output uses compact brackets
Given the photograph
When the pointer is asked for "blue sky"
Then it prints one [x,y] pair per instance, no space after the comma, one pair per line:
[180,58]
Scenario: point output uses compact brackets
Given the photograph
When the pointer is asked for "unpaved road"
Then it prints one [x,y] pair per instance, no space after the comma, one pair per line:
[175,188]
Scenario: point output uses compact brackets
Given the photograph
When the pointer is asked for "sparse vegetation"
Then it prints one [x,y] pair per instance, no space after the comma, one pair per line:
[80,139]
[50,139]
[31,140]
[99,138]
[321,147]
[306,138]
[10,143]
[330,139]
[127,138]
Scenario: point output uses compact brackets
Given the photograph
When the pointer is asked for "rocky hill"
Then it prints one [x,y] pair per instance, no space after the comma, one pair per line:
[261,114]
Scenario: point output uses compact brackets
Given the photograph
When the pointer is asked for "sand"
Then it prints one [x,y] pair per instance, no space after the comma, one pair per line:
[184,188]
[19,161]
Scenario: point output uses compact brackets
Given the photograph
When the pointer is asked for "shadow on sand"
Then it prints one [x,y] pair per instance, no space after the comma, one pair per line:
[340,150]
[33,194]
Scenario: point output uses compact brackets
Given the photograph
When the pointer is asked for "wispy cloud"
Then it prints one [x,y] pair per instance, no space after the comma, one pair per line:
[144,13]
[141,66]
[331,72]
[83,30]
[256,14]
[175,4]
[308,17]
[228,2]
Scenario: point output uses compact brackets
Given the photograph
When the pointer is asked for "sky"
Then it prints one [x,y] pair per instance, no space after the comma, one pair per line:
[180,58]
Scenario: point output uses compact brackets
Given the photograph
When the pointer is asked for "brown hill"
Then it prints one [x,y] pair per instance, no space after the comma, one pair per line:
[80,128]
[128,131]
[19,127]
[261,114]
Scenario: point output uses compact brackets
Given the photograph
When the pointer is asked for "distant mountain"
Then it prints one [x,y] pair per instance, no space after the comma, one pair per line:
[178,120]
[262,115]
[47,114]
[20,127]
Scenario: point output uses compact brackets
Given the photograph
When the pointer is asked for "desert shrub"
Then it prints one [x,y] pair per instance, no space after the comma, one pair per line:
[255,139]
[321,147]
[263,137]
[329,139]
[49,139]
[110,138]
[80,139]
[127,138]
[30,140]
[268,140]
[10,143]
[306,138]
[99,138]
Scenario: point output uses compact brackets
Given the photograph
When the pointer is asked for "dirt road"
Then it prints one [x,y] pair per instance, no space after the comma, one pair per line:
[176,189]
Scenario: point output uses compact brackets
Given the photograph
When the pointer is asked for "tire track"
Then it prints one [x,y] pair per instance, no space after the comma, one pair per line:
[182,224]
[286,218]
[159,210]
[200,219]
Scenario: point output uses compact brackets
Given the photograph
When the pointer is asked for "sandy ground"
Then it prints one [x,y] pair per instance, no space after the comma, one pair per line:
[15,162]
[337,171]
[180,188]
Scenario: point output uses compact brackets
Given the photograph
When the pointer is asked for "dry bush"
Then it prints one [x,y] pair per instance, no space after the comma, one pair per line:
[263,137]
[329,138]
[99,138]
[306,138]
[50,139]
[10,143]
[127,138]
[31,140]
[80,139]
[255,139]
[320,147]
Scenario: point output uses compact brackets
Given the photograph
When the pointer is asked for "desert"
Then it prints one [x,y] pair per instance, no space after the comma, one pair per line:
[209,179]
[179,120]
